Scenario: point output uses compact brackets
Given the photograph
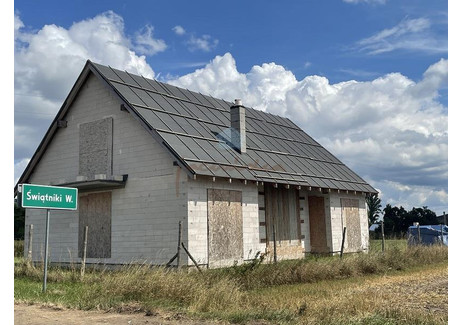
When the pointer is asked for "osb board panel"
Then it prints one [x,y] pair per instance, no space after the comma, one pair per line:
[95,211]
[282,211]
[225,225]
[318,239]
[351,220]
[95,148]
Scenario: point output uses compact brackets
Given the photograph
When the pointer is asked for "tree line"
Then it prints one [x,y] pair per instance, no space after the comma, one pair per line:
[397,219]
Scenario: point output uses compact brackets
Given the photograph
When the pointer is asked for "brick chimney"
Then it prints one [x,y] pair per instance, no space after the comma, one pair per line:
[238,124]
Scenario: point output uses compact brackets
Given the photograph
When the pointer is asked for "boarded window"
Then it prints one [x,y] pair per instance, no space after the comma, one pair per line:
[317,216]
[225,225]
[95,211]
[282,212]
[95,148]
[282,209]
[351,220]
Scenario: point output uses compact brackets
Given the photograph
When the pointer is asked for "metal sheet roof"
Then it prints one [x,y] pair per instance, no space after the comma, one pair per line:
[197,128]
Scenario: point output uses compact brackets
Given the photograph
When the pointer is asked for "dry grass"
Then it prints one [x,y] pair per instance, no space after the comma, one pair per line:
[416,297]
[358,289]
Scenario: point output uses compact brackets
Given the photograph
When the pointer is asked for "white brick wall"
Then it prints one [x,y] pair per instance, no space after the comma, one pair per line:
[145,214]
[304,215]
[198,217]
[336,219]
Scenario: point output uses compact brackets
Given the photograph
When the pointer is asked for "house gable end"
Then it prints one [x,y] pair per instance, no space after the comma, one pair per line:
[98,141]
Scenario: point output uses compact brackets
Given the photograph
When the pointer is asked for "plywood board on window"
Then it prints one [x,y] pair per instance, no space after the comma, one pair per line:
[351,220]
[317,218]
[282,213]
[95,148]
[95,211]
[225,225]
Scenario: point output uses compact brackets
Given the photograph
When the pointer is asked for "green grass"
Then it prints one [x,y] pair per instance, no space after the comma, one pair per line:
[376,244]
[281,293]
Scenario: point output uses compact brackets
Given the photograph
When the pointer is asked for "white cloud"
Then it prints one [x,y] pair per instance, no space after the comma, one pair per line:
[390,129]
[397,194]
[19,167]
[179,30]
[220,77]
[409,34]
[204,43]
[147,44]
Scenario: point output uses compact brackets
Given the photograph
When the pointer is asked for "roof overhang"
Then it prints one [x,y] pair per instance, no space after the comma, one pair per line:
[98,184]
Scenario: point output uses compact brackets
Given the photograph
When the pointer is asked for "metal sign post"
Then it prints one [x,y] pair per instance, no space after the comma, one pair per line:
[49,198]
[45,267]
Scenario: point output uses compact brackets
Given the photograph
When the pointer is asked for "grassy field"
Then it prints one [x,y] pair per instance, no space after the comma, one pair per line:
[376,245]
[358,289]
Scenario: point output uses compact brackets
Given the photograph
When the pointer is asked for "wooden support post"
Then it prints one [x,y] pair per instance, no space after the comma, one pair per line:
[343,241]
[29,248]
[442,235]
[179,241]
[274,241]
[191,257]
[383,235]
[171,260]
[85,245]
[418,234]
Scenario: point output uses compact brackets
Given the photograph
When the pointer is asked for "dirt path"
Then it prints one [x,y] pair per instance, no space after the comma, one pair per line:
[46,315]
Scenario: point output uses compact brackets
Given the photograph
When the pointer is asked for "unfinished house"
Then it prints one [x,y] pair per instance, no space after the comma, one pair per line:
[146,155]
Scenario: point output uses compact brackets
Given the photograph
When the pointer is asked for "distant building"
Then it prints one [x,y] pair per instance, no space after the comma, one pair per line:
[146,155]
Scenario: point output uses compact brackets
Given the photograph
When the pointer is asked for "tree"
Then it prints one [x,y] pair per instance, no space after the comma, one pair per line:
[374,205]
[394,220]
[19,221]
[398,220]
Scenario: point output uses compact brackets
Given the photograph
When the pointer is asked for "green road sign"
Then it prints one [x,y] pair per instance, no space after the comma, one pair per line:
[49,197]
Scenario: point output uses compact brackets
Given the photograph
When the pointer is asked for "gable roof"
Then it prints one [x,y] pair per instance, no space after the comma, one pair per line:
[195,128]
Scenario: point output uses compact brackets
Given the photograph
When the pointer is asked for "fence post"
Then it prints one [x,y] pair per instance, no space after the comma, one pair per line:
[179,241]
[85,245]
[418,233]
[29,248]
[383,236]
[343,241]
[442,235]
[274,241]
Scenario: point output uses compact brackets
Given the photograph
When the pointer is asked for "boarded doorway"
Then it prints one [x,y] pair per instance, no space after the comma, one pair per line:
[317,216]
[351,220]
[282,213]
[95,211]
[225,226]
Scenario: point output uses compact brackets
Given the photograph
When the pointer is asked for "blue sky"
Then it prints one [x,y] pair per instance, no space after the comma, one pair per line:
[366,78]
[306,37]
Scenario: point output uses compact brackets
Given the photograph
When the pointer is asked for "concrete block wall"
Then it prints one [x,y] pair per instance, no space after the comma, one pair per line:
[198,216]
[336,219]
[304,215]
[145,214]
